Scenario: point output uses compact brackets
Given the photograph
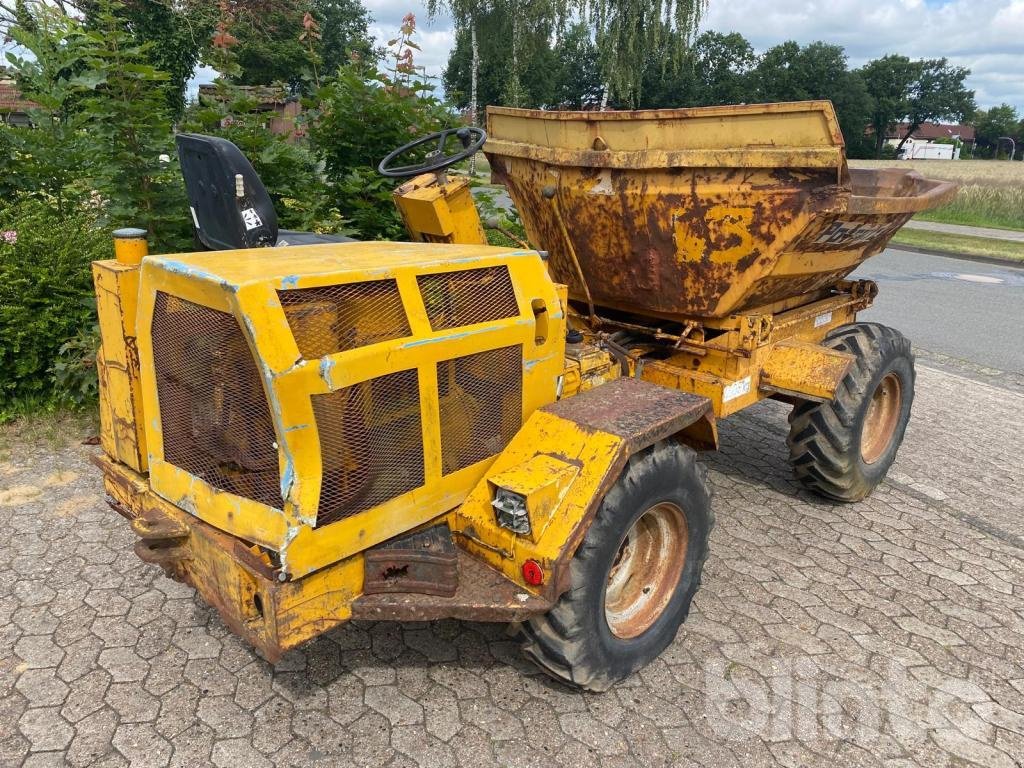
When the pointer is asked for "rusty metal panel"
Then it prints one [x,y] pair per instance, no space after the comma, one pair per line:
[804,370]
[637,411]
[698,213]
[424,562]
[371,444]
[214,415]
[483,594]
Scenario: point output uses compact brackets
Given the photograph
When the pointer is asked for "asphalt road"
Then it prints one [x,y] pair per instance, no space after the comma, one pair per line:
[968,310]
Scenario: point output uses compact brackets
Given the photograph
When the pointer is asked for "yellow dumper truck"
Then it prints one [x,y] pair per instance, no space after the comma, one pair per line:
[442,428]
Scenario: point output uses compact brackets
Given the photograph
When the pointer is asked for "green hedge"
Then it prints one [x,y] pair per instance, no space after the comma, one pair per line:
[46,296]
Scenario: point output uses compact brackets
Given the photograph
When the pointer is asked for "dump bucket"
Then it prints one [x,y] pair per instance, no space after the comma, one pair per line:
[698,213]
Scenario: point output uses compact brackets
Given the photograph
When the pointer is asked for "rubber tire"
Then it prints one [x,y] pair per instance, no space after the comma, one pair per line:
[825,438]
[572,642]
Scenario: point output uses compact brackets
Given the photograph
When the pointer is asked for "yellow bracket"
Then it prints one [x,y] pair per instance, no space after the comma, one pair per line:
[804,370]
[439,211]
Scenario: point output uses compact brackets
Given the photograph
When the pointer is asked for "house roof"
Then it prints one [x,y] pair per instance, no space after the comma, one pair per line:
[932,131]
[10,98]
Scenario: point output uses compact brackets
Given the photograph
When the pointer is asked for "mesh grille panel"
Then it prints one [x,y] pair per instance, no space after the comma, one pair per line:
[371,444]
[336,318]
[214,415]
[481,403]
[464,298]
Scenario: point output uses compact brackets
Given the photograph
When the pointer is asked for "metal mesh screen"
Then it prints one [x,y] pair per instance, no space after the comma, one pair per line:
[336,318]
[481,404]
[213,411]
[464,298]
[371,444]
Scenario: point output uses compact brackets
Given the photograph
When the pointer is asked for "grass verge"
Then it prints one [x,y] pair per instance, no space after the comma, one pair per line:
[1007,250]
[53,430]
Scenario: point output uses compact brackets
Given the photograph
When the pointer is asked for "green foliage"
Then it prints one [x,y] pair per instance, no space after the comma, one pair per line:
[53,160]
[272,51]
[938,93]
[722,66]
[630,35]
[175,36]
[790,72]
[919,92]
[363,116]
[296,42]
[129,130]
[102,124]
[343,33]
[502,223]
[45,297]
[533,87]
[579,79]
[288,168]
[997,123]
[74,371]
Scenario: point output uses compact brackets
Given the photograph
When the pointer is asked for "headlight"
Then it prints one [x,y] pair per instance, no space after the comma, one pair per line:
[510,508]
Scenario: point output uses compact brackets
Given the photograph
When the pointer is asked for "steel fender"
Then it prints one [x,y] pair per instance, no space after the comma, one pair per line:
[563,461]
[804,370]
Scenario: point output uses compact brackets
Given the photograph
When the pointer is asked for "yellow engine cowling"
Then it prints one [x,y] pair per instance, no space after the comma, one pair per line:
[320,400]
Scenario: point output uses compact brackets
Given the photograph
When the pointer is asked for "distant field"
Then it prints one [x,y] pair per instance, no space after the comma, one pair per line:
[991,192]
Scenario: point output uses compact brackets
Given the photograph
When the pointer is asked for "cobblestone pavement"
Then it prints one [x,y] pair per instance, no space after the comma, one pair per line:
[889,632]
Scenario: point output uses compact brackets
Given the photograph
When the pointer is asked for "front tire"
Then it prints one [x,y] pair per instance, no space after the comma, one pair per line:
[842,449]
[633,576]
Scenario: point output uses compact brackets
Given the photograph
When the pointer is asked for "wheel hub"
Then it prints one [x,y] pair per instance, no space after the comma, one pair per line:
[881,418]
[646,570]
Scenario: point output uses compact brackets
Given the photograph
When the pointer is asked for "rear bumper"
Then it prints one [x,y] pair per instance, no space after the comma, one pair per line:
[236,579]
[242,583]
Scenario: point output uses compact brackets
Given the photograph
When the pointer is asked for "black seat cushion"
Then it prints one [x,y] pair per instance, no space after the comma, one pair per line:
[230,206]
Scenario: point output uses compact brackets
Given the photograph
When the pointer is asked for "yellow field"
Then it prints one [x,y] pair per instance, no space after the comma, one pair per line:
[991,192]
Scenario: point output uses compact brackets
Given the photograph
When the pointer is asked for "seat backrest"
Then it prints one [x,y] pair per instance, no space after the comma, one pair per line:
[230,205]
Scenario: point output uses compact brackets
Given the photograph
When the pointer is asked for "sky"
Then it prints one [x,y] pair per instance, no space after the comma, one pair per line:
[987,36]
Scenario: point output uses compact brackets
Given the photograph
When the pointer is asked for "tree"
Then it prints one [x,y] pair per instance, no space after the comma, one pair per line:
[628,35]
[789,72]
[291,41]
[722,66]
[578,84]
[889,81]
[176,34]
[631,34]
[343,32]
[538,83]
[938,93]
[270,51]
[995,123]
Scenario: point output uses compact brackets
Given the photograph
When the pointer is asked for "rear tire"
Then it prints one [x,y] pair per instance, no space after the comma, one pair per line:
[633,577]
[842,449]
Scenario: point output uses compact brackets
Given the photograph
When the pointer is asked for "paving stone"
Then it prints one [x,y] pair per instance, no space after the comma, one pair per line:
[45,729]
[142,746]
[888,632]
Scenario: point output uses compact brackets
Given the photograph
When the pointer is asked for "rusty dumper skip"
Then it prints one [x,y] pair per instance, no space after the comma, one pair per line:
[443,428]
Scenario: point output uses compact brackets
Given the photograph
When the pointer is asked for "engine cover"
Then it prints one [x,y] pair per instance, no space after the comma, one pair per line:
[319,400]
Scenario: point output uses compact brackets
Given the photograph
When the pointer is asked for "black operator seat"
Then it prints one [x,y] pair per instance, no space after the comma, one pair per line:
[230,206]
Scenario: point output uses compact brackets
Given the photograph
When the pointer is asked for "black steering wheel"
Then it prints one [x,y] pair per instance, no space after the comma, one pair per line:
[436,159]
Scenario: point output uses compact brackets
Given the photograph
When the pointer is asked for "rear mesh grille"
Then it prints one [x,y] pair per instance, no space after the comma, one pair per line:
[213,411]
[337,318]
[481,404]
[371,444]
[474,296]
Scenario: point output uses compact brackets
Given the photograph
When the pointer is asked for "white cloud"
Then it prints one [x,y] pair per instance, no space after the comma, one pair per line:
[987,36]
